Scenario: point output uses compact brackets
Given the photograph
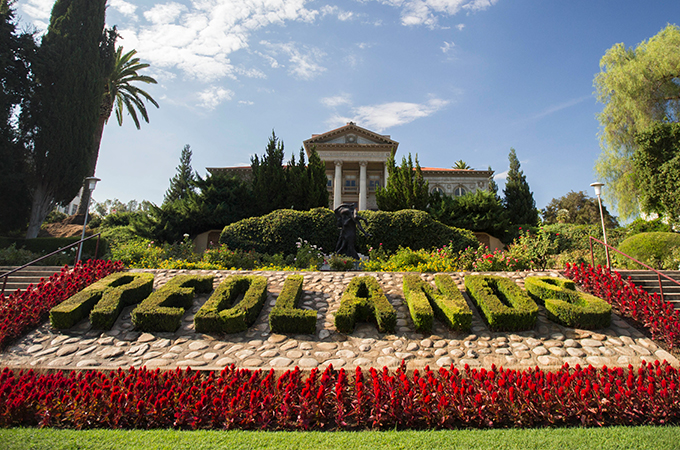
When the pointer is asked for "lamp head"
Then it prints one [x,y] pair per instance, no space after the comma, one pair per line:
[598,187]
[92,182]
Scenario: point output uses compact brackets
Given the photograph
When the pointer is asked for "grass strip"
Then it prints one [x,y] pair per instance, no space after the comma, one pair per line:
[608,438]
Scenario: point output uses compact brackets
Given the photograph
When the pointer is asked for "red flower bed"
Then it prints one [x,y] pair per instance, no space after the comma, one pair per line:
[655,314]
[242,399]
[23,310]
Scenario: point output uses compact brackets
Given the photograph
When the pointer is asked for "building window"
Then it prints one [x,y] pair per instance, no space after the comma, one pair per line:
[329,182]
[438,190]
[460,190]
[373,182]
[350,183]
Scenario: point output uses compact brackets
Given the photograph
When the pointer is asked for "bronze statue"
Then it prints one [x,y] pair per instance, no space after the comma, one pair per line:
[348,221]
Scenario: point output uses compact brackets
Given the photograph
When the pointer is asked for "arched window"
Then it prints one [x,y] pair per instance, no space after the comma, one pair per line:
[438,190]
[460,190]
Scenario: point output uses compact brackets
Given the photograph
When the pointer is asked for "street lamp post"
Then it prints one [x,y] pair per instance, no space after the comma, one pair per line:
[91,183]
[598,191]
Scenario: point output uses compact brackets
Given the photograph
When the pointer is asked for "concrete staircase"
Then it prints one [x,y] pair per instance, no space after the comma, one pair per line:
[649,281]
[24,277]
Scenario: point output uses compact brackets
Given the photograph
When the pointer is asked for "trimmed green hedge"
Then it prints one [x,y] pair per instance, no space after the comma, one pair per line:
[446,303]
[418,303]
[504,305]
[220,314]
[163,310]
[651,248]
[565,305]
[286,317]
[278,232]
[364,301]
[121,284]
[43,246]
[107,310]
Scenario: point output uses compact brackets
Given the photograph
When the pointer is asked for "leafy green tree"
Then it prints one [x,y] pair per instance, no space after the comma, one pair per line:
[657,164]
[480,210]
[16,55]
[577,208]
[406,188]
[639,87]
[182,184]
[121,94]
[73,60]
[519,201]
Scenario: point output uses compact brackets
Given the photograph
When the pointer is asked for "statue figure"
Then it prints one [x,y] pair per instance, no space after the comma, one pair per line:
[348,220]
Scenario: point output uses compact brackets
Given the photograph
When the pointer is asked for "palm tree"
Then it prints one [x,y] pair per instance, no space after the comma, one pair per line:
[460,164]
[121,93]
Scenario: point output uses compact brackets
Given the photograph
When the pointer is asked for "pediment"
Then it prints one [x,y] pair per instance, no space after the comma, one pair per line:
[350,134]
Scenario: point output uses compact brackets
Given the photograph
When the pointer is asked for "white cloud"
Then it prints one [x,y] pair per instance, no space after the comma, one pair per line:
[447,47]
[199,37]
[427,12]
[337,100]
[460,26]
[335,11]
[501,176]
[387,115]
[303,62]
[213,96]
[123,7]
[246,102]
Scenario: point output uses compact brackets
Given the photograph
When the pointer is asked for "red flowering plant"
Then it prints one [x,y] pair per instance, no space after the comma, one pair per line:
[339,400]
[659,317]
[23,310]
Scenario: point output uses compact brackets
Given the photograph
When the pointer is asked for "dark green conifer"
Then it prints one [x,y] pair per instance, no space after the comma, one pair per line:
[519,200]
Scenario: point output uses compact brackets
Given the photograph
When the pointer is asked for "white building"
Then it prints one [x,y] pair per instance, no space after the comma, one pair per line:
[356,165]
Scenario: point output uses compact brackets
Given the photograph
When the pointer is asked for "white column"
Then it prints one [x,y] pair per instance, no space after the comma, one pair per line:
[337,185]
[386,174]
[362,185]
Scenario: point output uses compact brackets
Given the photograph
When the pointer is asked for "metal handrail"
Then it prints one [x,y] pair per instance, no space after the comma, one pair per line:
[7,274]
[658,273]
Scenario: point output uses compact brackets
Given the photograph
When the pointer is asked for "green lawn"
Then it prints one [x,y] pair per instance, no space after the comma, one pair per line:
[657,438]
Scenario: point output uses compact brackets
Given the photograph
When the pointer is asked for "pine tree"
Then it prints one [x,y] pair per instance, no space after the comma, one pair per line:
[72,62]
[406,188]
[519,201]
[493,187]
[317,181]
[182,184]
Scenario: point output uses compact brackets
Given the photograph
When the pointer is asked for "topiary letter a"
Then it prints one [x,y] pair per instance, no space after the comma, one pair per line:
[363,300]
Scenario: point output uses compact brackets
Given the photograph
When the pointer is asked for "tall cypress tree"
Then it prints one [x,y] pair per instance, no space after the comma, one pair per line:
[72,63]
[16,55]
[269,178]
[182,184]
[406,188]
[519,200]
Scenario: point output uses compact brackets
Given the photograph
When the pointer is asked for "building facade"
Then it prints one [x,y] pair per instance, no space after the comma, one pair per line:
[356,166]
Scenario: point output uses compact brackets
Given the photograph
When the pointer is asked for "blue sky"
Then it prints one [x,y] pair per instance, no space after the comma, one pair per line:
[447,79]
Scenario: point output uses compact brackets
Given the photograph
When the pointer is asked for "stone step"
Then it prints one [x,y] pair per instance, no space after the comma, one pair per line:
[649,281]
[24,277]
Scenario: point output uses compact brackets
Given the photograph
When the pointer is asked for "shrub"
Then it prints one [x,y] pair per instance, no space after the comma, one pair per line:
[131,289]
[139,253]
[418,303]
[43,246]
[163,310]
[117,288]
[651,248]
[286,317]
[13,256]
[220,314]
[279,231]
[341,262]
[363,300]
[309,256]
[502,303]
[567,306]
